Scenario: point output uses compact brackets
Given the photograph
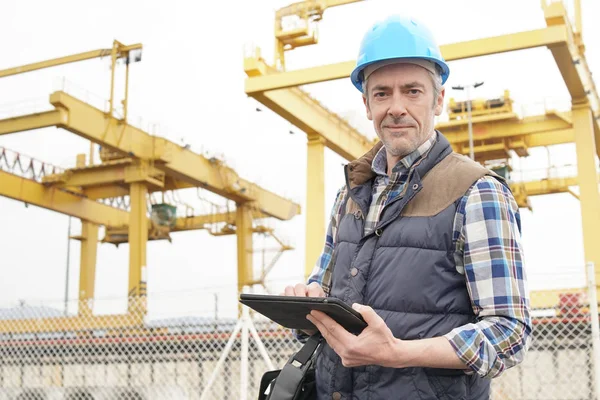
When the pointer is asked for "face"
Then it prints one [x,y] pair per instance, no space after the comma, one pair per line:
[400,101]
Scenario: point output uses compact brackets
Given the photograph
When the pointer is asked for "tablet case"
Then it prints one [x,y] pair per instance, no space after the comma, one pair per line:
[291,311]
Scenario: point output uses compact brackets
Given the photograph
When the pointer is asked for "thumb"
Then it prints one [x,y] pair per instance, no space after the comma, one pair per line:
[369,315]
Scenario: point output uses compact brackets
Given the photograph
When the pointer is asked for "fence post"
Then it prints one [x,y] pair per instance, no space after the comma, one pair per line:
[593,298]
[244,356]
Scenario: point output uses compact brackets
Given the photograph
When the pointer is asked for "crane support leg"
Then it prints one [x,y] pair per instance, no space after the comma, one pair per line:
[138,238]
[243,222]
[87,267]
[315,201]
[588,182]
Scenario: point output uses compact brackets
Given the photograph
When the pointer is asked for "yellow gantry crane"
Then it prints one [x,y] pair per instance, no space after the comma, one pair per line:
[498,131]
[498,134]
[304,28]
[134,164]
[22,180]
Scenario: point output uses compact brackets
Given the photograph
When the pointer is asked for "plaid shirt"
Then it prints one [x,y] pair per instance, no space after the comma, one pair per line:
[487,252]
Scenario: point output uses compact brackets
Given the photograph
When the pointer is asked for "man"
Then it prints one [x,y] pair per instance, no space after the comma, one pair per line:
[423,242]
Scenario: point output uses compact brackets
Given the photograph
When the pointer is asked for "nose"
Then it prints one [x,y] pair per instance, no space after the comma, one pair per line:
[397,107]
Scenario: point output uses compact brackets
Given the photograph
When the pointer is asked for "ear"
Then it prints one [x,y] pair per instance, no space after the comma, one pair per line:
[368,109]
[439,105]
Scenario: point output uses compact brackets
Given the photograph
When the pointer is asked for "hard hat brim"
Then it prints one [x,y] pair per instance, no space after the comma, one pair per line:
[356,75]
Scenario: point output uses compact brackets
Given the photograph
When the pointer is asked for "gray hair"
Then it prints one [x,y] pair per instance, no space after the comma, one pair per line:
[436,81]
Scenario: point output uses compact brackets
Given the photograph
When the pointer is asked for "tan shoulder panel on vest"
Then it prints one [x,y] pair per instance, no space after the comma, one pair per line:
[444,184]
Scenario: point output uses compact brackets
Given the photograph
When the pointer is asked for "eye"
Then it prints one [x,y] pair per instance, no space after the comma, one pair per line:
[379,94]
[414,92]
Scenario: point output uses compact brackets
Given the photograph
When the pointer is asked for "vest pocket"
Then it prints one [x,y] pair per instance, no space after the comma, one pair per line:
[431,386]
[448,387]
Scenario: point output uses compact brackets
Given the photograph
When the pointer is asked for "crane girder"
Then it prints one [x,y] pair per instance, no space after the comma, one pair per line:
[121,51]
[175,161]
[75,205]
[107,175]
[55,199]
[500,132]
[273,80]
[549,186]
[495,135]
[302,110]
[263,82]
[522,191]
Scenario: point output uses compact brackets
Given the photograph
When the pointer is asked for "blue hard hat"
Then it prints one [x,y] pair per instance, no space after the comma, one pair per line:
[397,37]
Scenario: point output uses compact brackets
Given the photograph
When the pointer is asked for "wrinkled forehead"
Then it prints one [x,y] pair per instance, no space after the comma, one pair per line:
[399,74]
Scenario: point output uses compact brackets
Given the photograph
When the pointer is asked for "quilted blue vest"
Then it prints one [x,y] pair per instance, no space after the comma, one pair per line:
[404,270]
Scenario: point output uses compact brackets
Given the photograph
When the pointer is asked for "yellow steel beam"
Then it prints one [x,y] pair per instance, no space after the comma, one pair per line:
[31,192]
[315,202]
[93,176]
[543,139]
[493,137]
[201,221]
[572,64]
[506,128]
[310,116]
[548,186]
[178,162]
[276,89]
[138,238]
[550,36]
[103,192]
[522,191]
[34,121]
[110,179]
[478,119]
[309,12]
[244,232]
[588,183]
[118,235]
[109,174]
[87,267]
[299,77]
[88,55]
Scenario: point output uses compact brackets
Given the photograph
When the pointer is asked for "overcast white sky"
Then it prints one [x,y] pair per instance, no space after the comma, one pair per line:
[190,84]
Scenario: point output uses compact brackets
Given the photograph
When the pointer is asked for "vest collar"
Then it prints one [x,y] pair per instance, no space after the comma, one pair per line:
[359,171]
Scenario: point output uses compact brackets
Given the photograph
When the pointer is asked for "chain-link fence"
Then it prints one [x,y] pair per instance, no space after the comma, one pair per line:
[562,360]
[47,355]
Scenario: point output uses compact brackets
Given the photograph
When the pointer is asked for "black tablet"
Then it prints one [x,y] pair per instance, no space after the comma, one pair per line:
[291,311]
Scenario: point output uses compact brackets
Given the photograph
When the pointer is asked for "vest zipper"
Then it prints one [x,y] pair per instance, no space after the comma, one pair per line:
[402,195]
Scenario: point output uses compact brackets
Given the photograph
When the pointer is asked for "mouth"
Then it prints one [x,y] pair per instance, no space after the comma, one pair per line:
[398,126]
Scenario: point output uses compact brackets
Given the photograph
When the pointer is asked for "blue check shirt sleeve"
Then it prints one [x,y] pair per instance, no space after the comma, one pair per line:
[318,273]
[489,253]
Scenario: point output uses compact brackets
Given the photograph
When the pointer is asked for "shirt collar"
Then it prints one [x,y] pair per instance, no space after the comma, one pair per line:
[379,164]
